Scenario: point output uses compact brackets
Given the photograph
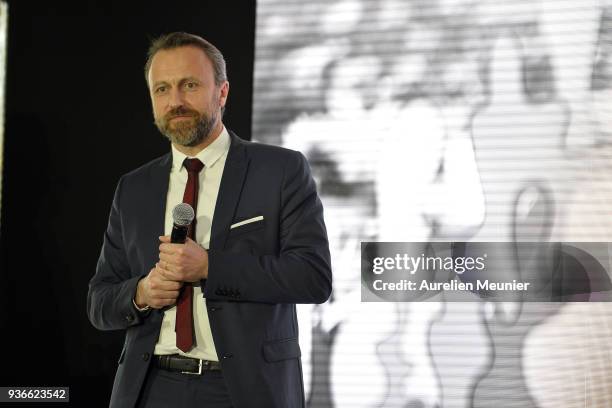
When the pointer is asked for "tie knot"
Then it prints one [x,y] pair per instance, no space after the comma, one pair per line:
[193,165]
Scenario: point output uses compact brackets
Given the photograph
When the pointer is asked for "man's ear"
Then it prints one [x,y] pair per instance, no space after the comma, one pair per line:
[223,93]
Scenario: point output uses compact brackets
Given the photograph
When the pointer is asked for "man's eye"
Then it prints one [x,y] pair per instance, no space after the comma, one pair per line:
[160,89]
[190,85]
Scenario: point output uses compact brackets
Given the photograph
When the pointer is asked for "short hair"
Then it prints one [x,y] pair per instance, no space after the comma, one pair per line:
[182,39]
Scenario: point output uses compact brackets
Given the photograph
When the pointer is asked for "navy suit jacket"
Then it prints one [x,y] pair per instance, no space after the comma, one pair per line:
[257,272]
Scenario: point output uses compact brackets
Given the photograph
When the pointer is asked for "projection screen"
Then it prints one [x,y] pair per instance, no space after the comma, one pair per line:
[440,120]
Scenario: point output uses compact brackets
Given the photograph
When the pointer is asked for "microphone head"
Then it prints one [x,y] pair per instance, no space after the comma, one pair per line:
[183,214]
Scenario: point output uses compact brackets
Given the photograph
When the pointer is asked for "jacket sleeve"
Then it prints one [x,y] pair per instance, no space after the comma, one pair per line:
[301,272]
[112,288]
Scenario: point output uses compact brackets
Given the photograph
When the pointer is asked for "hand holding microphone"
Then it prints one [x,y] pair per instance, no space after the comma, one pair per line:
[180,260]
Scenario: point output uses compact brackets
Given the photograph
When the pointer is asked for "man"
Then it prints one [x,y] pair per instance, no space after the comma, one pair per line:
[210,322]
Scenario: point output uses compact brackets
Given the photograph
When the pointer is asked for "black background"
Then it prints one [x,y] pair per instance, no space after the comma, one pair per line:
[78,116]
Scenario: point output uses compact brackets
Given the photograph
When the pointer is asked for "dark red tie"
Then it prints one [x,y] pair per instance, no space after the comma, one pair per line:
[184,307]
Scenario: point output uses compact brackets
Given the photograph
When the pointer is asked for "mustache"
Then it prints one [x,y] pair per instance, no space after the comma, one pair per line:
[180,111]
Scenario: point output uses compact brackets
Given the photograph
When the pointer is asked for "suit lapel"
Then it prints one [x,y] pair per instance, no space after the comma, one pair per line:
[158,187]
[229,192]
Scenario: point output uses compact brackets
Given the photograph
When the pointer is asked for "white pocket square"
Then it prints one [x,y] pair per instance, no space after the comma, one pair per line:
[244,222]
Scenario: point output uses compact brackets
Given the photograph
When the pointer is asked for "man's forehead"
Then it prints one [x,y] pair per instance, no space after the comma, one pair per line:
[179,62]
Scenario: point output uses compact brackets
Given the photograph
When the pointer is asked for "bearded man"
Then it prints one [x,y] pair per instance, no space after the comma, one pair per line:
[211,322]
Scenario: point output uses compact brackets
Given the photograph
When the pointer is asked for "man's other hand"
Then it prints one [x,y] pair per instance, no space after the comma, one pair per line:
[156,291]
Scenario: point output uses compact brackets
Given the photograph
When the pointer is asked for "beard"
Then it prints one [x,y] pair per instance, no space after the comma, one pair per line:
[187,132]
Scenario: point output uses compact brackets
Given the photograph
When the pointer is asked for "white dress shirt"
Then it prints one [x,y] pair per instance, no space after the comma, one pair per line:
[213,157]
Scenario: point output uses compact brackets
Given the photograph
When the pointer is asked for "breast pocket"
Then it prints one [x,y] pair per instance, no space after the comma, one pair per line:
[247,238]
[245,226]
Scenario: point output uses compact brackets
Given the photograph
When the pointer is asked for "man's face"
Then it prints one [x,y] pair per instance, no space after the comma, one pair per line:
[186,101]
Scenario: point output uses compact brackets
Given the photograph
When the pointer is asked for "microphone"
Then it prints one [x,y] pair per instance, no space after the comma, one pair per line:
[182,216]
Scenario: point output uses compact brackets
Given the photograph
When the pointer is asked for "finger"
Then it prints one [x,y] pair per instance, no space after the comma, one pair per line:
[171,248]
[165,294]
[173,272]
[171,268]
[169,285]
[166,260]
[165,265]
[165,274]
[165,238]
[158,284]
[159,303]
[161,273]
[165,248]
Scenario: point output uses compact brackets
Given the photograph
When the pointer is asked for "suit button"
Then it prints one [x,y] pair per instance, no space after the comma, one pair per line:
[227,356]
[145,356]
[129,318]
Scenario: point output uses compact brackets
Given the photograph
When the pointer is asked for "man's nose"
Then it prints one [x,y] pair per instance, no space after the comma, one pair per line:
[176,98]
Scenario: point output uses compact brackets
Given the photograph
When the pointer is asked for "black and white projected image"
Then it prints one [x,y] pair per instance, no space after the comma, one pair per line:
[447,120]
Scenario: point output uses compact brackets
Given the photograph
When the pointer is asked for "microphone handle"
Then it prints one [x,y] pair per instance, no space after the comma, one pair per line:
[179,234]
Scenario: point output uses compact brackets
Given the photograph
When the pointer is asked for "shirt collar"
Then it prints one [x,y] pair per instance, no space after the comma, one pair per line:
[209,155]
